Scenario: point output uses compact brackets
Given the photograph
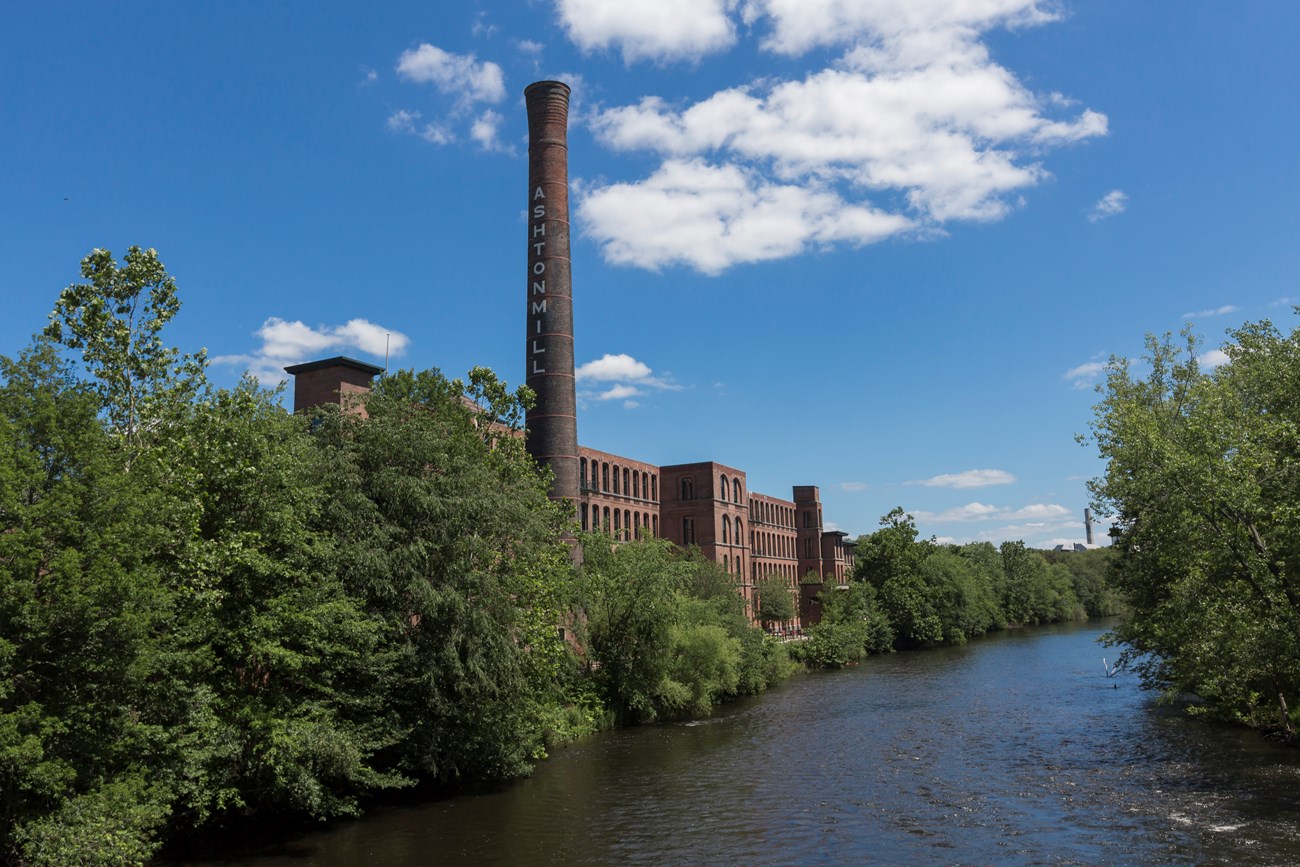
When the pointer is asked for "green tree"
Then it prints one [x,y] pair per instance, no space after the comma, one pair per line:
[892,560]
[775,599]
[115,320]
[1202,472]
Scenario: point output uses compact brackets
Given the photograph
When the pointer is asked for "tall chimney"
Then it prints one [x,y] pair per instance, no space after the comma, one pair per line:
[1087,523]
[553,423]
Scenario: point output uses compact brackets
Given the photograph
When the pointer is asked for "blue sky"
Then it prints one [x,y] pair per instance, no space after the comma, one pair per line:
[881,247]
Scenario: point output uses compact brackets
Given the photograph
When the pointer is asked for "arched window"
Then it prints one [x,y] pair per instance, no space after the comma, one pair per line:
[655,532]
[726,529]
[627,489]
[723,490]
[584,519]
[605,523]
[627,524]
[645,485]
[616,488]
[617,522]
[636,523]
[582,473]
[636,485]
[740,532]
[688,530]
[654,486]
[688,489]
[735,490]
[604,476]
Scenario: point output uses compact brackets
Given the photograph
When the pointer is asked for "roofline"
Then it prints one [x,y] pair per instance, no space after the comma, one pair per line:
[336,361]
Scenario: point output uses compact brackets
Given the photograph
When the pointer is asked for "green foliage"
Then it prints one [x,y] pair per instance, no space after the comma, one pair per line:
[666,632]
[1202,473]
[776,599]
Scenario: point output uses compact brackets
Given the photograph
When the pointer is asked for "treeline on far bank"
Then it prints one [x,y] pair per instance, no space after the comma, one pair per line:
[908,592]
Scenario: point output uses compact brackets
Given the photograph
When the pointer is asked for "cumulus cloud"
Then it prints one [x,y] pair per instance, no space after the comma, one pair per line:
[1085,374]
[712,217]
[1212,359]
[1040,512]
[911,127]
[967,479]
[619,377]
[460,75]
[659,30]
[287,342]
[1110,204]
[1217,311]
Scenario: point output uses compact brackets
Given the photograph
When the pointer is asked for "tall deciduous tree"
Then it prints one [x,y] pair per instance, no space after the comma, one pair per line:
[1203,473]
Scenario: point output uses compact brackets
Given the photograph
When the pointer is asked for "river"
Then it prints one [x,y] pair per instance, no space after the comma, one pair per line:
[1015,749]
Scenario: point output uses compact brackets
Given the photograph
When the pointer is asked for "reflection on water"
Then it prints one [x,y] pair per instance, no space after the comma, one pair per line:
[1014,749]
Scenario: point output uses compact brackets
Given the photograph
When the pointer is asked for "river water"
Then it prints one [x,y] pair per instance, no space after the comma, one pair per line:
[1016,749]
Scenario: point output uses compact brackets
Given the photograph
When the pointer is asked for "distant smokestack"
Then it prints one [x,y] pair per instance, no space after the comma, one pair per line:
[1087,523]
[553,423]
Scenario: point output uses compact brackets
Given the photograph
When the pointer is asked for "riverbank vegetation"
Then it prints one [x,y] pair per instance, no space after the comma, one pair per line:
[212,610]
[907,592]
[1203,476]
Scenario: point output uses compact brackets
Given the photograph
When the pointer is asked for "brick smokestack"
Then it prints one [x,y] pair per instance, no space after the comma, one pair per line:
[553,423]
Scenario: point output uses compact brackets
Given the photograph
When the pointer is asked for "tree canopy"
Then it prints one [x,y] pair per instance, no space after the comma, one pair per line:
[1203,470]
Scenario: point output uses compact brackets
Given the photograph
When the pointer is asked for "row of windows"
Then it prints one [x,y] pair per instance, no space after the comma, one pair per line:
[624,525]
[770,513]
[727,537]
[638,484]
[788,571]
[771,545]
[724,488]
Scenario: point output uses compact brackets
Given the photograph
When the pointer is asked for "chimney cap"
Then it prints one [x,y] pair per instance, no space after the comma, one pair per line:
[336,361]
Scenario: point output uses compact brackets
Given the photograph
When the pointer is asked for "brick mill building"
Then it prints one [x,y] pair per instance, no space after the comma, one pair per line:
[707,504]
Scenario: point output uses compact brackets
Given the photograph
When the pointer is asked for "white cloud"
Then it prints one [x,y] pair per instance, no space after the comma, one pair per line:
[1212,359]
[912,127]
[528,46]
[405,121]
[459,75]
[293,342]
[1217,311]
[650,29]
[937,26]
[613,368]
[368,75]
[853,487]
[1114,202]
[712,217]
[484,131]
[620,377]
[977,511]
[1085,374]
[968,479]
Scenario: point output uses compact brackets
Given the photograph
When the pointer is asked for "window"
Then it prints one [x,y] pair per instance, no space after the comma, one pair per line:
[807,518]
[726,529]
[723,490]
[688,489]
[627,524]
[655,531]
[582,474]
[735,490]
[616,478]
[645,485]
[627,489]
[636,485]
[604,476]
[807,549]
[740,532]
[584,519]
[654,486]
[688,530]
[605,523]
[617,522]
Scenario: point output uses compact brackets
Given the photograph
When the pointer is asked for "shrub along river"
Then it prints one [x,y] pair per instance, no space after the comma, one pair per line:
[1014,749]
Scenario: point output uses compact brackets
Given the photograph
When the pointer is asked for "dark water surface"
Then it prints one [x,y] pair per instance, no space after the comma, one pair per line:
[1014,749]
